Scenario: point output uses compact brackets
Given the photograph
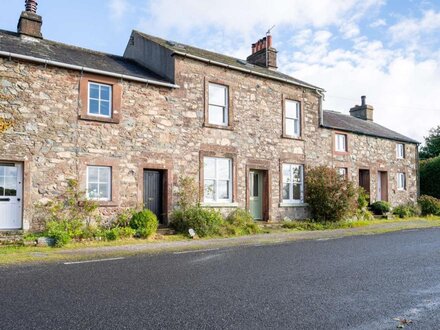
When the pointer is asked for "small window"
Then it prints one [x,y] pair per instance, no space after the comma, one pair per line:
[342,172]
[99,183]
[400,151]
[341,142]
[217,174]
[401,181]
[100,100]
[292,118]
[293,183]
[218,105]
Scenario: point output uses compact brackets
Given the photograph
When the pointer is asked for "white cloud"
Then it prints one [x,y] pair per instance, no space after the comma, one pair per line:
[118,8]
[378,23]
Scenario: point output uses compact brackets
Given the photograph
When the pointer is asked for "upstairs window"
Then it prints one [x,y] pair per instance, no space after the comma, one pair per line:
[217,173]
[401,181]
[100,100]
[341,142]
[400,151]
[218,106]
[99,183]
[292,120]
[293,183]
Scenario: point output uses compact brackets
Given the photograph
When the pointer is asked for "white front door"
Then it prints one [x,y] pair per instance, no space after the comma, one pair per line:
[379,186]
[11,200]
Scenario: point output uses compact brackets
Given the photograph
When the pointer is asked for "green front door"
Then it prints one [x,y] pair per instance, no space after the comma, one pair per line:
[256,194]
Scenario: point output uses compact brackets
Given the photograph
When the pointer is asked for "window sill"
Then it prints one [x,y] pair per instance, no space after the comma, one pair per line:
[227,128]
[226,205]
[341,153]
[291,137]
[284,204]
[113,120]
[105,203]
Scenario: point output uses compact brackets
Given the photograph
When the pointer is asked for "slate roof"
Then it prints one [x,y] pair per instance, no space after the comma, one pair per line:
[55,51]
[343,122]
[180,48]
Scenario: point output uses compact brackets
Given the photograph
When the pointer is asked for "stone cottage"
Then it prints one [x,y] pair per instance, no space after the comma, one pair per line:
[127,127]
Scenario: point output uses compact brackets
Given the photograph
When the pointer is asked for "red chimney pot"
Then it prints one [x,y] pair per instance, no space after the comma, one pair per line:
[31,6]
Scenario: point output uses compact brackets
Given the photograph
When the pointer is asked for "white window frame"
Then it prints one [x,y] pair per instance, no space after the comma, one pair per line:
[99,99]
[290,200]
[341,142]
[400,151]
[225,106]
[109,183]
[342,172]
[296,119]
[401,181]
[216,180]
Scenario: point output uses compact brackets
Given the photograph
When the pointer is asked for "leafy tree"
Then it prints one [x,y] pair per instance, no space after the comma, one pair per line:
[430,177]
[432,144]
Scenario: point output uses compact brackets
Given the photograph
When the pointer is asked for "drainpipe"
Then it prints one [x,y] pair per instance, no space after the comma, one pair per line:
[321,111]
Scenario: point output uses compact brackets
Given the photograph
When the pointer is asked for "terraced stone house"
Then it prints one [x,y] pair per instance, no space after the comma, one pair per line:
[127,127]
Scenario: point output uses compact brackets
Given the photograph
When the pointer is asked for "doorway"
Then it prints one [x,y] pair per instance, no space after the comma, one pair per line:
[153,193]
[382,186]
[11,191]
[364,180]
[257,194]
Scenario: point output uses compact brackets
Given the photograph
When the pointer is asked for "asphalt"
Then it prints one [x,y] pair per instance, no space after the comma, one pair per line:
[359,282]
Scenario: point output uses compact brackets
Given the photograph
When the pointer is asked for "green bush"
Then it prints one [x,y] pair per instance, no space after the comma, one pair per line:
[57,231]
[145,223]
[330,198]
[362,213]
[406,210]
[429,205]
[380,207]
[240,222]
[205,222]
[123,218]
[430,177]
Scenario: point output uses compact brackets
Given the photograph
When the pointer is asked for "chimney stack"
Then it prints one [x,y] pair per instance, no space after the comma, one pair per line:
[263,54]
[30,23]
[363,111]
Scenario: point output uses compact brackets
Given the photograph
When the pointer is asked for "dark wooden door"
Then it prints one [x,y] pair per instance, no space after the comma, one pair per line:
[153,192]
[364,180]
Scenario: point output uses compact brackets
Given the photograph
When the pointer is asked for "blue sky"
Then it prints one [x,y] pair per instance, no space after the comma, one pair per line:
[387,50]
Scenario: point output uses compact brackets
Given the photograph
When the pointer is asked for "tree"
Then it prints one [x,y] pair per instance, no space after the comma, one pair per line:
[432,144]
[430,177]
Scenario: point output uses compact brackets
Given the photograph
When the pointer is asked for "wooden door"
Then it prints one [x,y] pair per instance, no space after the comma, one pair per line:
[256,194]
[153,196]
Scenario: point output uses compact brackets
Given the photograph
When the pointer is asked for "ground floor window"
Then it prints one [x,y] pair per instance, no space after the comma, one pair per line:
[217,174]
[342,172]
[99,183]
[401,181]
[293,183]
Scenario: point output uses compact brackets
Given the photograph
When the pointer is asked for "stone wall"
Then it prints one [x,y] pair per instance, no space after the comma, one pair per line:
[164,129]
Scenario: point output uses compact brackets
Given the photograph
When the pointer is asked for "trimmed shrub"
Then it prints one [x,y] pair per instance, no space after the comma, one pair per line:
[430,177]
[204,221]
[330,197]
[145,223]
[406,210]
[380,207]
[240,222]
[429,205]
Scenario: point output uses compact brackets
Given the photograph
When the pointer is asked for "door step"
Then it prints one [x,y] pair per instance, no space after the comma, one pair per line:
[11,237]
[166,231]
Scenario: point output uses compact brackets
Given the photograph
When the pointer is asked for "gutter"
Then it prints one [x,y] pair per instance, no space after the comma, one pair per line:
[233,67]
[86,69]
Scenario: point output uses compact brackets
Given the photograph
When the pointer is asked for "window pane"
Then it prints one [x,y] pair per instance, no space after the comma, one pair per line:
[10,171]
[94,107]
[2,171]
[104,174]
[286,191]
[291,127]
[92,173]
[255,185]
[209,189]
[223,190]
[2,189]
[94,91]
[92,190]
[297,191]
[105,108]
[209,168]
[286,172]
[217,95]
[105,93]
[296,174]
[292,109]
[104,191]
[223,168]
[217,115]
[10,186]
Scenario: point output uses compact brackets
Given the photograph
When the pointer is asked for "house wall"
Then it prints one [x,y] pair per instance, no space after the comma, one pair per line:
[162,128]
